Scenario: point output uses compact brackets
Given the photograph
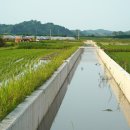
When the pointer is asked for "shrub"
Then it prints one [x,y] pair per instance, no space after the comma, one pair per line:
[2,42]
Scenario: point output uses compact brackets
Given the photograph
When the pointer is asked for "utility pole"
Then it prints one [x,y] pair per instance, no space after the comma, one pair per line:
[78,35]
[58,32]
[50,34]
[35,32]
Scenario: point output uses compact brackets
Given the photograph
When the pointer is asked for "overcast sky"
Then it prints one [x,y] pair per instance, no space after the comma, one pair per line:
[73,14]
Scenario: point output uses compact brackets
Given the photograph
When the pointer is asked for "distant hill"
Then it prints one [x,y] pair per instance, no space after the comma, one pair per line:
[121,34]
[98,32]
[34,27]
[128,32]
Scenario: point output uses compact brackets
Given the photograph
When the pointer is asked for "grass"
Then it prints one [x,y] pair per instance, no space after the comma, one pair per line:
[111,41]
[122,58]
[14,61]
[115,48]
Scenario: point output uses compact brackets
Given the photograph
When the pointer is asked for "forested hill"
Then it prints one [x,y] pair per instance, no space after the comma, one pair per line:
[34,27]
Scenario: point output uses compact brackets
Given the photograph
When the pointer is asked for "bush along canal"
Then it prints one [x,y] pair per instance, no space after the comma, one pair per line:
[93,101]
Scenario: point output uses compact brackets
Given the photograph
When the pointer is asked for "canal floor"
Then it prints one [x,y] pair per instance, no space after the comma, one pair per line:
[90,102]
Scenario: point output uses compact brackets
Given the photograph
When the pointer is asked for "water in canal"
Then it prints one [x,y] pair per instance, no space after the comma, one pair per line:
[92,100]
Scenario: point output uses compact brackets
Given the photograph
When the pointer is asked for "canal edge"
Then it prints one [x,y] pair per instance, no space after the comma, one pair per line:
[120,75]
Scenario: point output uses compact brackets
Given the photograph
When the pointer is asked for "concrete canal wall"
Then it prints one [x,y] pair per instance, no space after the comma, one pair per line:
[28,115]
[119,74]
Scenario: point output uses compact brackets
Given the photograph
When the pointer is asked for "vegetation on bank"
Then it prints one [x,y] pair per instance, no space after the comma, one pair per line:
[122,58]
[111,41]
[2,42]
[115,48]
[14,62]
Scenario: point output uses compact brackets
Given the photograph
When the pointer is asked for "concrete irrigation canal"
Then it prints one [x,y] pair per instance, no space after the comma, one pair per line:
[80,95]
[92,100]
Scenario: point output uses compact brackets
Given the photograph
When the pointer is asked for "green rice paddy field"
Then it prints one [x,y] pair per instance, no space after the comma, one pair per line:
[25,67]
[14,61]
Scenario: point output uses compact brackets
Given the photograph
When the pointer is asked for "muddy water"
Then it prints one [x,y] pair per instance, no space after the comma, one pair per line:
[92,101]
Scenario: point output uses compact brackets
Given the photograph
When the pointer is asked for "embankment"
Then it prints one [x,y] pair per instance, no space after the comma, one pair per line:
[119,74]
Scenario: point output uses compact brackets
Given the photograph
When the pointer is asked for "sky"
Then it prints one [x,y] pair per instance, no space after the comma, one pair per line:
[111,15]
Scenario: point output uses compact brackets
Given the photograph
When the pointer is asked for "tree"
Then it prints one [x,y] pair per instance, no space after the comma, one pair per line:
[2,42]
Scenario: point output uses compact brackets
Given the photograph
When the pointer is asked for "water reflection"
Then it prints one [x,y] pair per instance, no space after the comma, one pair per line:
[82,68]
[123,103]
[49,117]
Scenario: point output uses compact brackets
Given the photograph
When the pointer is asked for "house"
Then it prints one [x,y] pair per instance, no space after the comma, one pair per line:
[18,39]
[9,38]
[62,38]
[28,38]
[41,38]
